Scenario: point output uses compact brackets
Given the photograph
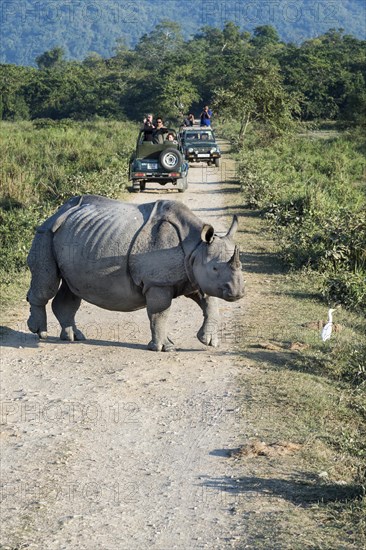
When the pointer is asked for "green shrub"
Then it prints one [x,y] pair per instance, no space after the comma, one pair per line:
[108,182]
[17,227]
[347,287]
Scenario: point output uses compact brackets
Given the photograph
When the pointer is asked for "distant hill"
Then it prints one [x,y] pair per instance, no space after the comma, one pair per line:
[30,27]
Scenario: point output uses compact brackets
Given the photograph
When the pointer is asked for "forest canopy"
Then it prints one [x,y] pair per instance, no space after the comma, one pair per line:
[246,76]
[30,27]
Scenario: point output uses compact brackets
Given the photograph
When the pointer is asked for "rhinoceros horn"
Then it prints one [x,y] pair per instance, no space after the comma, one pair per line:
[235,259]
[233,228]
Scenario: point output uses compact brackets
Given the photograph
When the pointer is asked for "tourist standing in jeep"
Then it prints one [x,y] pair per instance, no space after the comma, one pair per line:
[148,127]
[206,116]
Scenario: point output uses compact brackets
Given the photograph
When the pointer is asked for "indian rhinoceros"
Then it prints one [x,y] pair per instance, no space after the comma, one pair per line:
[125,257]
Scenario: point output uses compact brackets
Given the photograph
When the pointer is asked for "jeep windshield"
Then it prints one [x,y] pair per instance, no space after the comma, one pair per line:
[199,136]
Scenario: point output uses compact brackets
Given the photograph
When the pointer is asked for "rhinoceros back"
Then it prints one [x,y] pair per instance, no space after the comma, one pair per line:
[91,247]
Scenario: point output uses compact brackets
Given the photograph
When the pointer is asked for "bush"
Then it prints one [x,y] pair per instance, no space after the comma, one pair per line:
[347,287]
[17,228]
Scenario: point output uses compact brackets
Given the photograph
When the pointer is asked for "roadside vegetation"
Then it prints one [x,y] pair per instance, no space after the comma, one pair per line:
[313,191]
[309,189]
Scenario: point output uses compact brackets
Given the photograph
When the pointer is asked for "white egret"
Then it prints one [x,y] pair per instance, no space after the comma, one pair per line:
[327,329]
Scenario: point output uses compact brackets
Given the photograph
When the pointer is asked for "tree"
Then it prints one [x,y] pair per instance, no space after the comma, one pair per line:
[266,78]
[323,70]
[265,35]
[164,40]
[259,95]
[50,58]
[12,81]
[177,93]
[218,56]
[354,110]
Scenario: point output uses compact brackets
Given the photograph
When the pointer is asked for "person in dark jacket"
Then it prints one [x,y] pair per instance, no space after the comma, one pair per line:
[148,127]
[205,116]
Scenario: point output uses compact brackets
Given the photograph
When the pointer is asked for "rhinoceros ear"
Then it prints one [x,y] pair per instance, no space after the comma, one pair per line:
[233,227]
[207,233]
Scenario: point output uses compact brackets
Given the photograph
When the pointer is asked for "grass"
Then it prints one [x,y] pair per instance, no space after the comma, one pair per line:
[44,163]
[327,478]
[313,395]
[41,162]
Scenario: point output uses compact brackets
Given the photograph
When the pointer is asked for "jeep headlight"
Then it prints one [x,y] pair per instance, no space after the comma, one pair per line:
[213,150]
[190,150]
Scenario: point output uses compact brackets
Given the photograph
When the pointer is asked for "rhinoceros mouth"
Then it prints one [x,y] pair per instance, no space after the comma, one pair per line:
[229,297]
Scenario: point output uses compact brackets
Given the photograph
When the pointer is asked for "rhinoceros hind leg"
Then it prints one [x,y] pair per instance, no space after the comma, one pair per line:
[37,321]
[45,281]
[65,305]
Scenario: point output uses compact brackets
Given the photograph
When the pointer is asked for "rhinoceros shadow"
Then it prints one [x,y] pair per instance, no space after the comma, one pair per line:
[304,490]
[22,339]
[12,338]
[225,209]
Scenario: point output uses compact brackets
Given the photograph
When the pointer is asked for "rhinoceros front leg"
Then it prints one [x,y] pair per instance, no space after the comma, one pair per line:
[158,302]
[208,334]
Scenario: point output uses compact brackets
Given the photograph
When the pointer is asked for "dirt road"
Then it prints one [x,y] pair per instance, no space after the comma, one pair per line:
[106,445]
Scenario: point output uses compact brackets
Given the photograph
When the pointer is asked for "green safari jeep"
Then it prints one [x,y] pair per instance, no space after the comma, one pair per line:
[199,145]
[158,162]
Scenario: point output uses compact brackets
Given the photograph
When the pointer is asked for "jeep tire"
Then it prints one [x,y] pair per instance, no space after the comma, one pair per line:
[184,184]
[171,159]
